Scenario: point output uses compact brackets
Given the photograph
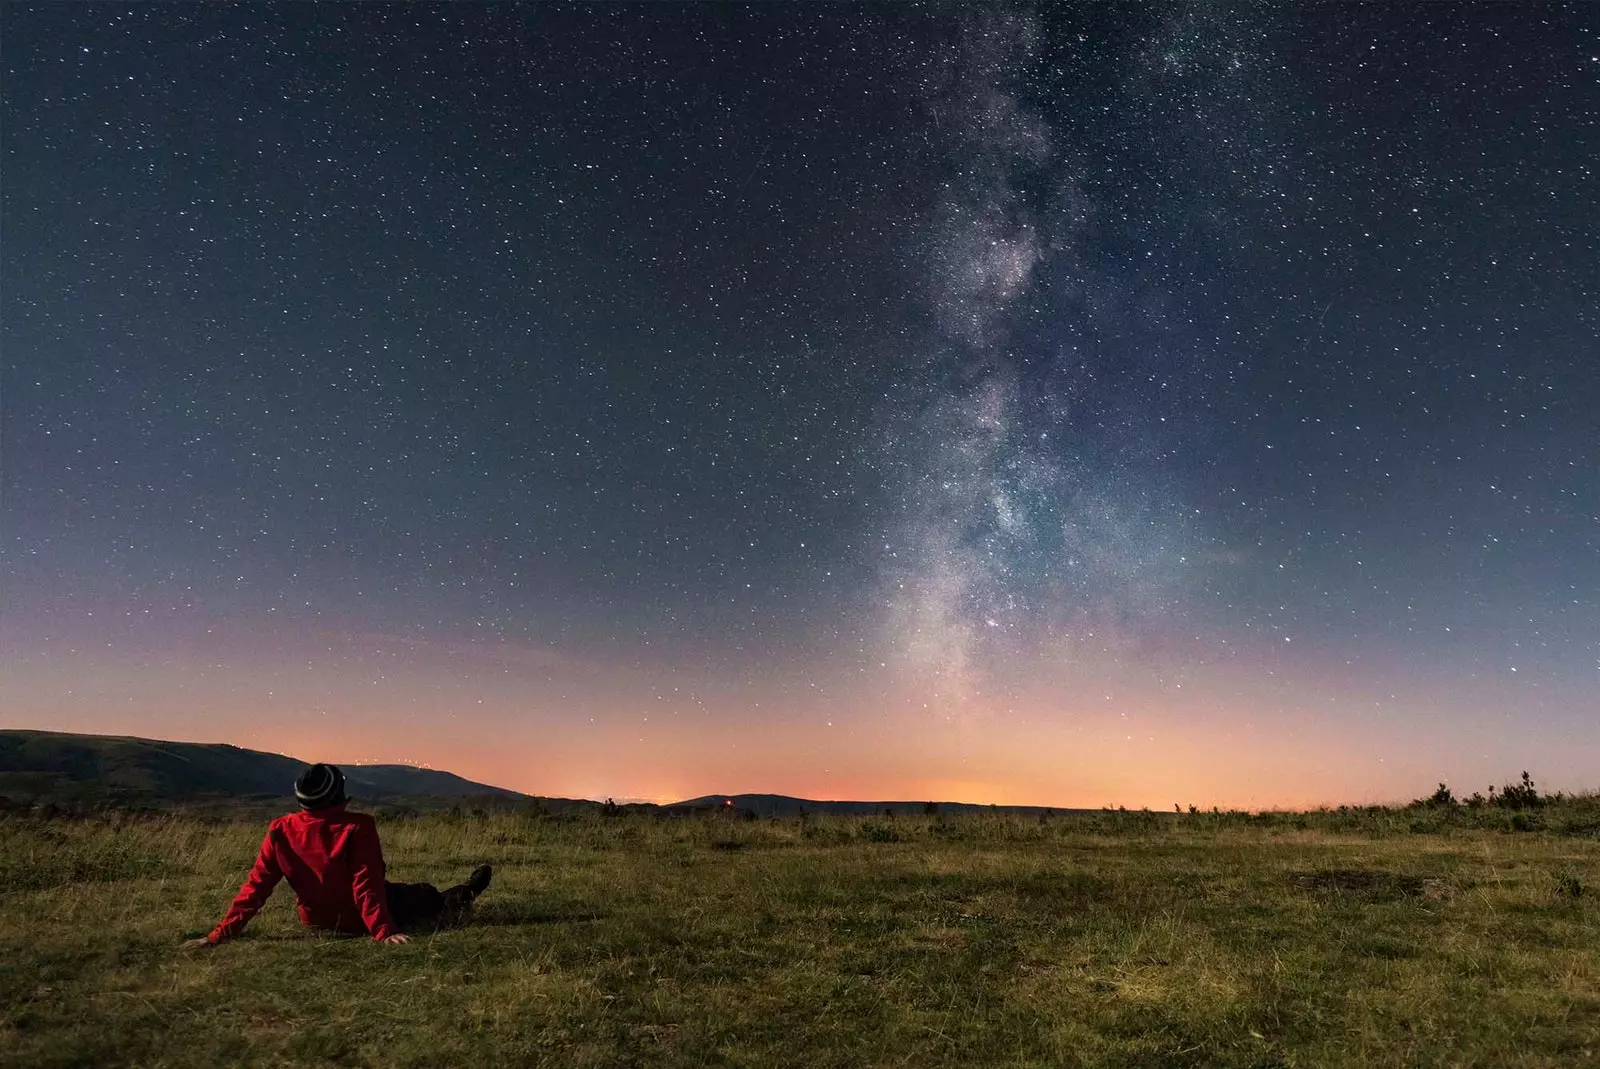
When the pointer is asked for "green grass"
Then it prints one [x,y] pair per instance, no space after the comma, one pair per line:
[1368,938]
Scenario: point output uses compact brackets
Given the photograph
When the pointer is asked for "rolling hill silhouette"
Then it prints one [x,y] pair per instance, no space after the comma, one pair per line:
[57,767]
[783,805]
[63,767]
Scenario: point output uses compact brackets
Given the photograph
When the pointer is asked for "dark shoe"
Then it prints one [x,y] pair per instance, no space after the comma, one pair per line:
[478,882]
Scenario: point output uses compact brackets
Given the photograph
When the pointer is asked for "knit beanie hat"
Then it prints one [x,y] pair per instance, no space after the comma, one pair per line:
[319,787]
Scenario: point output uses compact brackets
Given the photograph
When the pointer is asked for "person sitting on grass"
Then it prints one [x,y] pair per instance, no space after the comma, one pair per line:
[333,861]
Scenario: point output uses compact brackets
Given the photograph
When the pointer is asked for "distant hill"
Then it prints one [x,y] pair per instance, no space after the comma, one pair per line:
[782,805]
[55,766]
[90,770]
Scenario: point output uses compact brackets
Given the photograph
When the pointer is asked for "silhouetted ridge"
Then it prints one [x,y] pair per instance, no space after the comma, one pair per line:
[58,765]
[783,805]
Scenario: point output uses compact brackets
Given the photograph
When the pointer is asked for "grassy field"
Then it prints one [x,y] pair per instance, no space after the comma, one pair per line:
[1397,938]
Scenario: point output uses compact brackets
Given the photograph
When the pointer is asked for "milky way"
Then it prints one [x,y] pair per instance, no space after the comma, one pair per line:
[1023,531]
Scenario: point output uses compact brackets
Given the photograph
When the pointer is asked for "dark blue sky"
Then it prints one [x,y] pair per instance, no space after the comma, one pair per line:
[953,359]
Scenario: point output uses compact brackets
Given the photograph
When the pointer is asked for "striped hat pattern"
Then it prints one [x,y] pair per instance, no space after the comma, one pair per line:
[319,787]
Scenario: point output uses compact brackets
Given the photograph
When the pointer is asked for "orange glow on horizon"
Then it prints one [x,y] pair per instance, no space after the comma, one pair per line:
[551,725]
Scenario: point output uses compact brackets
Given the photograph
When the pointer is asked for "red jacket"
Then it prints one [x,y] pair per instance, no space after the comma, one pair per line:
[334,863]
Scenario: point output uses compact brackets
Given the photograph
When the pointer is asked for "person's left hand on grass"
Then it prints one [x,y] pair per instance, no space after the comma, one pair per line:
[196,944]
[398,938]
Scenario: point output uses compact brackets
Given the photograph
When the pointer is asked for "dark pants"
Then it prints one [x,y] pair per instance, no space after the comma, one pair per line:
[422,905]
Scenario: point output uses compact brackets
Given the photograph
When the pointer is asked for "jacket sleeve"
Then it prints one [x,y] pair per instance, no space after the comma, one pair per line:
[366,881]
[253,893]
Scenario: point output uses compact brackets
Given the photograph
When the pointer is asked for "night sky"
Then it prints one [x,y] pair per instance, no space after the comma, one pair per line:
[1111,404]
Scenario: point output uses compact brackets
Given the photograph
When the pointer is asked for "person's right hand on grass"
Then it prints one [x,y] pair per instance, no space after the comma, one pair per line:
[203,943]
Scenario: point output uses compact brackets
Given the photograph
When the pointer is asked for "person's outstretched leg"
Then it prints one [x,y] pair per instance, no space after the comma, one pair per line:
[458,899]
[413,904]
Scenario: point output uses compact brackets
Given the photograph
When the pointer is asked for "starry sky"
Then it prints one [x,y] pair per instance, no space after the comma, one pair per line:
[1088,405]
